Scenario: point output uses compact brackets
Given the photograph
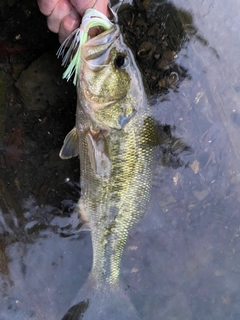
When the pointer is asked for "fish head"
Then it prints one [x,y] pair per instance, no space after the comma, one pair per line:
[110,87]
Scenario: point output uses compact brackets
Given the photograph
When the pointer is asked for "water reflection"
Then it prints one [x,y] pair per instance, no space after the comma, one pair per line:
[182,261]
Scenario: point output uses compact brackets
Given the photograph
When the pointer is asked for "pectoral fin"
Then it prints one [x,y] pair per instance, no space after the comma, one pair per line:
[97,152]
[70,145]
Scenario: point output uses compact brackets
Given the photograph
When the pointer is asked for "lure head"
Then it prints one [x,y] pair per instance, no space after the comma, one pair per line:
[110,88]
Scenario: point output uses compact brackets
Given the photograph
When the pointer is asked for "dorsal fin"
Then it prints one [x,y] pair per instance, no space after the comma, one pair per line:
[70,145]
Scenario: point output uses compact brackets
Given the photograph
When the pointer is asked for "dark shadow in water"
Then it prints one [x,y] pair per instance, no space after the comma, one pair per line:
[77,311]
[173,151]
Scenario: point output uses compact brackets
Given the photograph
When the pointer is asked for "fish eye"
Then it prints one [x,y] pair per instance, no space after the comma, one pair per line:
[120,61]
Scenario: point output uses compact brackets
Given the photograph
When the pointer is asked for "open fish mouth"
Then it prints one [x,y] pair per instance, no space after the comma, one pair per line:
[96,51]
[92,18]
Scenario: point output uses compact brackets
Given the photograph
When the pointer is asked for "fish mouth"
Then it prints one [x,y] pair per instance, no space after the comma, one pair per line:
[95,51]
[104,37]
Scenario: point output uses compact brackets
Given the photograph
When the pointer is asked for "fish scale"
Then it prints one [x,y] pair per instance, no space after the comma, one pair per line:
[117,203]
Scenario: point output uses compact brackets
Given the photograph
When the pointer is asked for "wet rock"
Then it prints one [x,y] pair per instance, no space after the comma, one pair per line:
[14,146]
[167,59]
[39,84]
[156,36]
[3,82]
[146,50]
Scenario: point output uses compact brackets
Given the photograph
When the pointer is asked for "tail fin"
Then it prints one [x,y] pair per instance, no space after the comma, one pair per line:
[101,304]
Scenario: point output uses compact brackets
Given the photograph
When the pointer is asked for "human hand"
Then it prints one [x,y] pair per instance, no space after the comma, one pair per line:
[64,16]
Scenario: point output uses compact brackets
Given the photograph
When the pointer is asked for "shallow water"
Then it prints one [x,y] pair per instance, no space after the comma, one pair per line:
[182,261]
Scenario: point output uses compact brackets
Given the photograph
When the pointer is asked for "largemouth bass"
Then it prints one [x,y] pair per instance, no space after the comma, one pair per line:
[114,137]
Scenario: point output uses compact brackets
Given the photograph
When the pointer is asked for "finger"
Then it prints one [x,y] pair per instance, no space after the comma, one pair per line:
[60,11]
[83,5]
[68,24]
[46,6]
